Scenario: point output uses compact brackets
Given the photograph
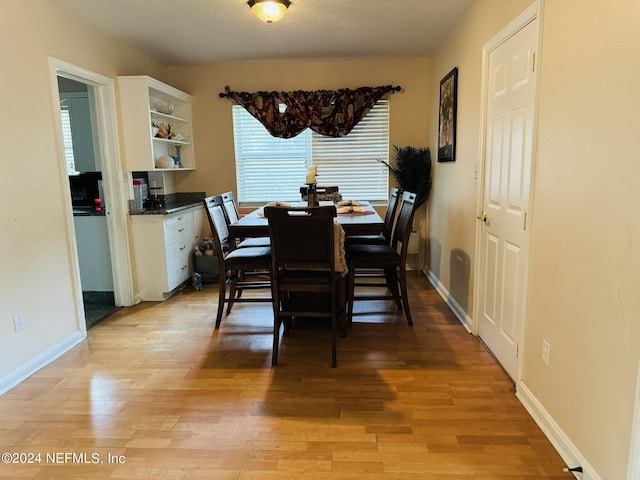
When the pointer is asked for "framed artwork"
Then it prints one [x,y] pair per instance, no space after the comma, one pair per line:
[447,117]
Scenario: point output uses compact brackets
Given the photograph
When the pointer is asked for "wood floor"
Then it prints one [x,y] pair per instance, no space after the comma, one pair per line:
[154,394]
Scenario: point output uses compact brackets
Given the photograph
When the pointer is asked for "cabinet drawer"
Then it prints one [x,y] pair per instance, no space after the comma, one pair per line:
[176,218]
[177,272]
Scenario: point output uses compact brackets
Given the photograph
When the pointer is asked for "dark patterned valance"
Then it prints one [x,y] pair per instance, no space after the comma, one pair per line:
[333,113]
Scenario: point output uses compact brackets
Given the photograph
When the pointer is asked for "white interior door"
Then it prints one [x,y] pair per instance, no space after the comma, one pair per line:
[503,246]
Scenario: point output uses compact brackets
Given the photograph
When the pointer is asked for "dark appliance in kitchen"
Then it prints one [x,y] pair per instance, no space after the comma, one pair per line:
[86,190]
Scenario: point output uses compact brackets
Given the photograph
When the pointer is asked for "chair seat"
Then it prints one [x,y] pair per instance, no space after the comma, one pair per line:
[365,240]
[252,256]
[390,258]
[371,256]
[237,265]
[255,242]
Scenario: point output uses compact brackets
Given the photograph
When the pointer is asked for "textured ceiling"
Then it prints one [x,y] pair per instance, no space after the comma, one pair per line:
[192,32]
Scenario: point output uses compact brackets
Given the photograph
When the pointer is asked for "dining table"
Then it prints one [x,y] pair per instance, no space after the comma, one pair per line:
[368,222]
[364,221]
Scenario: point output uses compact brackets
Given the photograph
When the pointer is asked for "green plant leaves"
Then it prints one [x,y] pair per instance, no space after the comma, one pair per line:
[411,167]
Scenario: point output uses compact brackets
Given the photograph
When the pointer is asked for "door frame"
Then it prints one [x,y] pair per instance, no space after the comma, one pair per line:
[533,12]
[114,187]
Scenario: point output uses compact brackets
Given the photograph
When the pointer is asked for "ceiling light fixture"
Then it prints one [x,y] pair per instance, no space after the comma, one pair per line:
[269,10]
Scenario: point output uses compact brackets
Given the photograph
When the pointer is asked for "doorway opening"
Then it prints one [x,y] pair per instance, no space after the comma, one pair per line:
[84,168]
[97,199]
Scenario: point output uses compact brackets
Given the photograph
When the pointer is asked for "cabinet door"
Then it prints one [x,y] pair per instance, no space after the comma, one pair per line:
[199,224]
[150,256]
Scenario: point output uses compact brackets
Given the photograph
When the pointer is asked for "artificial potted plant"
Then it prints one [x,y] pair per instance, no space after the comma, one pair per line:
[411,167]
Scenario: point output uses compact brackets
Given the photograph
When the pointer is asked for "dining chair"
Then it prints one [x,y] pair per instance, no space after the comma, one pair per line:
[233,262]
[230,207]
[231,215]
[392,259]
[383,238]
[302,262]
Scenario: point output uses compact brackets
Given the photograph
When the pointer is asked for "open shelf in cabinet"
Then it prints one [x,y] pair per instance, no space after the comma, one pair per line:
[142,98]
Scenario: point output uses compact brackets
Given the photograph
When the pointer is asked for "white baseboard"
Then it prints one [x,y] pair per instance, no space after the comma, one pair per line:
[560,441]
[32,366]
[455,307]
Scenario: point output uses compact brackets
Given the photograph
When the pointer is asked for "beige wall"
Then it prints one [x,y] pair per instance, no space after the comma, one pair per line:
[585,264]
[452,210]
[585,257]
[35,273]
[212,116]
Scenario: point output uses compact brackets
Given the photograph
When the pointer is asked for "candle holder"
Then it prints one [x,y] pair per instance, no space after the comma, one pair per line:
[311,195]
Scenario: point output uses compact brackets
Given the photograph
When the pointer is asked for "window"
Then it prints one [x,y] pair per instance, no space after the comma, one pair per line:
[67,138]
[270,168]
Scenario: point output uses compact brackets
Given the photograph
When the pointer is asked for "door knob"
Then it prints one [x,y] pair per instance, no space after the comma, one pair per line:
[482,216]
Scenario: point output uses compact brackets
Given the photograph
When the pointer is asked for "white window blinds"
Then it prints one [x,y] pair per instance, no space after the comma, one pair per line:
[269,168]
[67,139]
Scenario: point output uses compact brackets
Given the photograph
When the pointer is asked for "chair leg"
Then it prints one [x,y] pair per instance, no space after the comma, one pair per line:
[222,291]
[275,303]
[232,291]
[341,295]
[334,355]
[240,278]
[350,295]
[405,296]
[276,340]
[391,275]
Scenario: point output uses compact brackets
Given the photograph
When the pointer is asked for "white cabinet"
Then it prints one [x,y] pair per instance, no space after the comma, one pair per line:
[200,225]
[143,102]
[94,257]
[163,247]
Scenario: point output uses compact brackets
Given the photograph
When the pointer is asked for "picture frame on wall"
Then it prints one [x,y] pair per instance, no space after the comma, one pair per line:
[447,117]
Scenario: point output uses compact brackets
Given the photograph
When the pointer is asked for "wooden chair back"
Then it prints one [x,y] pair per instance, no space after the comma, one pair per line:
[302,260]
[390,216]
[303,236]
[230,207]
[404,224]
[218,223]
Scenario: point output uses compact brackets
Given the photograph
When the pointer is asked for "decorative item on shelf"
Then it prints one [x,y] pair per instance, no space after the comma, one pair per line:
[176,158]
[164,130]
[164,162]
[164,107]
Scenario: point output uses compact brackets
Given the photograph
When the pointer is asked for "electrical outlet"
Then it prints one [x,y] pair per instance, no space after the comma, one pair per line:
[546,350]
[18,321]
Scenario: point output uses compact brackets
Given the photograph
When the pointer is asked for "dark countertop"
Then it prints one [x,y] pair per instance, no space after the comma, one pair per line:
[173,202]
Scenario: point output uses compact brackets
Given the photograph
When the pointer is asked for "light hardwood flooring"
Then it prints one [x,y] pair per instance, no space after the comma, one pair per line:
[154,387]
